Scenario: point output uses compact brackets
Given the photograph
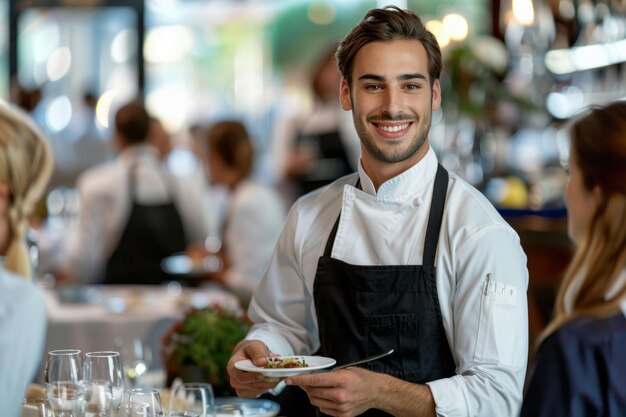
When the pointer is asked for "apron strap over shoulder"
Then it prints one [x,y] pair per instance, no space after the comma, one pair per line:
[436,214]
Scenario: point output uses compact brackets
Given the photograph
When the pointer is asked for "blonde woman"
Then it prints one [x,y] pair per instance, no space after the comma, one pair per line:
[581,365]
[25,166]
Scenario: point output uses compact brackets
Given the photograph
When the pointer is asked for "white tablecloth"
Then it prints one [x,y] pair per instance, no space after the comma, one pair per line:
[110,315]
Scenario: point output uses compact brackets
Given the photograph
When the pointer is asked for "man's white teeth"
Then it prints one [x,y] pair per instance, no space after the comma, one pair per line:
[396,128]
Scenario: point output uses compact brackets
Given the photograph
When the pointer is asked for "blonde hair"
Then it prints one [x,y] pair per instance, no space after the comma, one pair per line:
[25,166]
[598,142]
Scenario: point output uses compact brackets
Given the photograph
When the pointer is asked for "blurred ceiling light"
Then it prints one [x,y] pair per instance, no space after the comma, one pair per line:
[456,26]
[564,104]
[59,63]
[46,38]
[582,58]
[162,5]
[103,107]
[524,12]
[321,12]
[167,44]
[400,3]
[170,104]
[123,46]
[248,69]
[59,113]
[437,28]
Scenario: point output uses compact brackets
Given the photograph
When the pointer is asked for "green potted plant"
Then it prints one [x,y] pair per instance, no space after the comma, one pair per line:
[197,348]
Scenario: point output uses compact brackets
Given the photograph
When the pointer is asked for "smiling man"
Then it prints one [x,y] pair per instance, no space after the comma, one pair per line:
[399,255]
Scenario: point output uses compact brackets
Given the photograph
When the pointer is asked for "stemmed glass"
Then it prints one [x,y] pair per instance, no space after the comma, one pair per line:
[105,368]
[194,397]
[63,374]
[98,398]
[134,358]
[135,410]
[149,396]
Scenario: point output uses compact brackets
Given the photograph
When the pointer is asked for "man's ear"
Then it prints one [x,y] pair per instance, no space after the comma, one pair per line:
[344,92]
[436,104]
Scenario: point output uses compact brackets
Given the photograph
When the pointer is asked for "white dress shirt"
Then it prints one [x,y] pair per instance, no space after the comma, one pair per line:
[22,337]
[255,216]
[481,278]
[105,206]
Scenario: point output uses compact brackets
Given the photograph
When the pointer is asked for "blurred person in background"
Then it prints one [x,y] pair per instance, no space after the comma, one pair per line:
[254,212]
[314,150]
[25,168]
[133,213]
[160,138]
[580,366]
[400,255]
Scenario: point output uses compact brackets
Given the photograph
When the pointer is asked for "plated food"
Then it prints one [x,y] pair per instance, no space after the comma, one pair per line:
[278,363]
[284,366]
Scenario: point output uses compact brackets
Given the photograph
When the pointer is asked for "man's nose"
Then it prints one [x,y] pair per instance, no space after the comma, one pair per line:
[392,101]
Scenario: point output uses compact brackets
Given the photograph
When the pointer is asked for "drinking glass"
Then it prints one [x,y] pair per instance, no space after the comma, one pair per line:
[64,365]
[135,410]
[149,396]
[63,374]
[196,397]
[98,397]
[106,367]
[135,359]
[66,398]
[35,407]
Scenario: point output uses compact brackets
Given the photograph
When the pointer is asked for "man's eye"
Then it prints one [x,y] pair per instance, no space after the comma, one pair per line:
[412,86]
[372,87]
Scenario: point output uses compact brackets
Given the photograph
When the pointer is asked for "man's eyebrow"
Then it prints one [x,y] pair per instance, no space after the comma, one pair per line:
[403,77]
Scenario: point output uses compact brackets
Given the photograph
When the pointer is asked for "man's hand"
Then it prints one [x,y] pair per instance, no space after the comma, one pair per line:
[346,393]
[352,391]
[250,384]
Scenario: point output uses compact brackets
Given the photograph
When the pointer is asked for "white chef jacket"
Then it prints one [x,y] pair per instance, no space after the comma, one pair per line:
[481,278]
[105,207]
[255,216]
[22,337]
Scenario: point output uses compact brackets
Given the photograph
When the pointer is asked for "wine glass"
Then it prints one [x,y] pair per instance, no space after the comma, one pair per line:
[135,410]
[64,365]
[62,376]
[149,396]
[66,398]
[35,407]
[98,397]
[106,367]
[194,397]
[135,359]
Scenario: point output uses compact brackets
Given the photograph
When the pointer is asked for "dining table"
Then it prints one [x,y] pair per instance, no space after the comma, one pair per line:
[114,317]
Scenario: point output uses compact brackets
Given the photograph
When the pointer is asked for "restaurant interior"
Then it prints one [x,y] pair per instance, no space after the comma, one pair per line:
[515,71]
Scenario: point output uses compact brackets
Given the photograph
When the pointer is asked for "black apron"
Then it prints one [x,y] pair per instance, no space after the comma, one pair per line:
[332,158]
[152,232]
[365,310]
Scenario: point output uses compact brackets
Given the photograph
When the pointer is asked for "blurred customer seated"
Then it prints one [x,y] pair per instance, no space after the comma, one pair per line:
[25,168]
[254,212]
[133,213]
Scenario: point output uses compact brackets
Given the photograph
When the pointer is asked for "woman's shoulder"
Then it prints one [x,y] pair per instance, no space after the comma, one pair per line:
[592,332]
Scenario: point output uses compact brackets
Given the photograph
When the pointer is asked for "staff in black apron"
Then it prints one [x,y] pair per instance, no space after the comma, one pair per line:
[152,232]
[386,306]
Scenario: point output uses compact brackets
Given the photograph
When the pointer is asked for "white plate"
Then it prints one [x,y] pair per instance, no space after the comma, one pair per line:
[315,363]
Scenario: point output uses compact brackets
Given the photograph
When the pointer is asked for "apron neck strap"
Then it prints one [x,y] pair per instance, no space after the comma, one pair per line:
[440,190]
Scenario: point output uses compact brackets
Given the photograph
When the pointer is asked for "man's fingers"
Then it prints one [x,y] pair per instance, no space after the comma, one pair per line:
[312,380]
